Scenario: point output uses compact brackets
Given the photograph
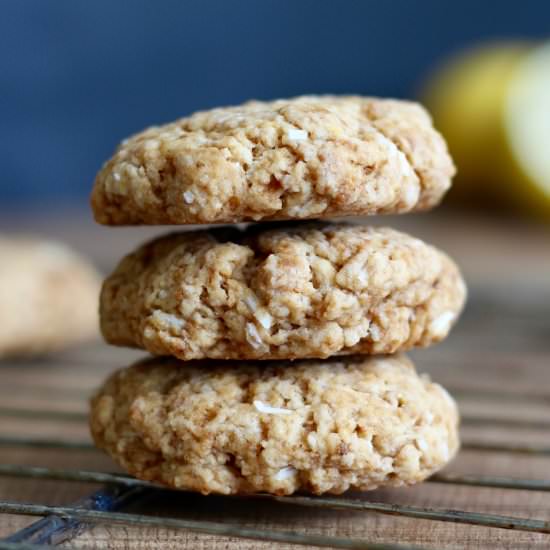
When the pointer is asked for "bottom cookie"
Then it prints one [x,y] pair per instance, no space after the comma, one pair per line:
[277,427]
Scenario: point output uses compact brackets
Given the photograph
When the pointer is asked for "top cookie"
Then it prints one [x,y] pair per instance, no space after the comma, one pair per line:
[309,157]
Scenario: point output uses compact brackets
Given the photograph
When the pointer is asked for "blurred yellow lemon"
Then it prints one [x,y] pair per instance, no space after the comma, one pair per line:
[493,106]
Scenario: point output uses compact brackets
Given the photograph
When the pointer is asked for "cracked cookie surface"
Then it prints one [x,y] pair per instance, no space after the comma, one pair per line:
[308,157]
[316,426]
[48,297]
[284,293]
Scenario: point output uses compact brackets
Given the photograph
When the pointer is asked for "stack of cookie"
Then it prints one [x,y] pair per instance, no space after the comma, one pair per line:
[281,368]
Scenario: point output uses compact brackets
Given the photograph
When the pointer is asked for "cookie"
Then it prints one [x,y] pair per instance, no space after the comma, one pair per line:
[316,426]
[309,157]
[284,293]
[48,297]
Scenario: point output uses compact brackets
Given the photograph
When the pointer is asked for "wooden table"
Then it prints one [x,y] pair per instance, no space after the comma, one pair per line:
[496,362]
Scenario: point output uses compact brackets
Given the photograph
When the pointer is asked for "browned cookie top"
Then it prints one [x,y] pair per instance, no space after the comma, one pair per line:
[309,157]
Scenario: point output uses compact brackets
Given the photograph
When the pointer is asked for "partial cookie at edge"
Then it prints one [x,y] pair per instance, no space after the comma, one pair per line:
[349,423]
[48,297]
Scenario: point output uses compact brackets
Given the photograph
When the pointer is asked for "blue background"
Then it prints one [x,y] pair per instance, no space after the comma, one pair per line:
[76,77]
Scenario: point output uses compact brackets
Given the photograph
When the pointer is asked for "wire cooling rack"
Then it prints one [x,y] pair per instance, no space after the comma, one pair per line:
[495,495]
[118,492]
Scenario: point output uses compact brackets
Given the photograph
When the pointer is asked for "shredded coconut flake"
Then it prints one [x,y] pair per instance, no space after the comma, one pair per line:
[411,195]
[263,408]
[422,444]
[251,302]
[285,473]
[374,333]
[363,277]
[283,311]
[264,319]
[151,144]
[165,319]
[440,325]
[253,336]
[312,440]
[262,316]
[295,134]
[188,197]
[444,450]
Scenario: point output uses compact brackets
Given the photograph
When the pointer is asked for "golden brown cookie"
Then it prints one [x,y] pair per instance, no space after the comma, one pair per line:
[308,157]
[308,291]
[48,297]
[317,426]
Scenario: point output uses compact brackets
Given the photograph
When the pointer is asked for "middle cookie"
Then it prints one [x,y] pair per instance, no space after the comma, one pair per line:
[289,292]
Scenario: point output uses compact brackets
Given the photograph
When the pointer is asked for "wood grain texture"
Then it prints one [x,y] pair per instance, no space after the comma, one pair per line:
[496,362]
